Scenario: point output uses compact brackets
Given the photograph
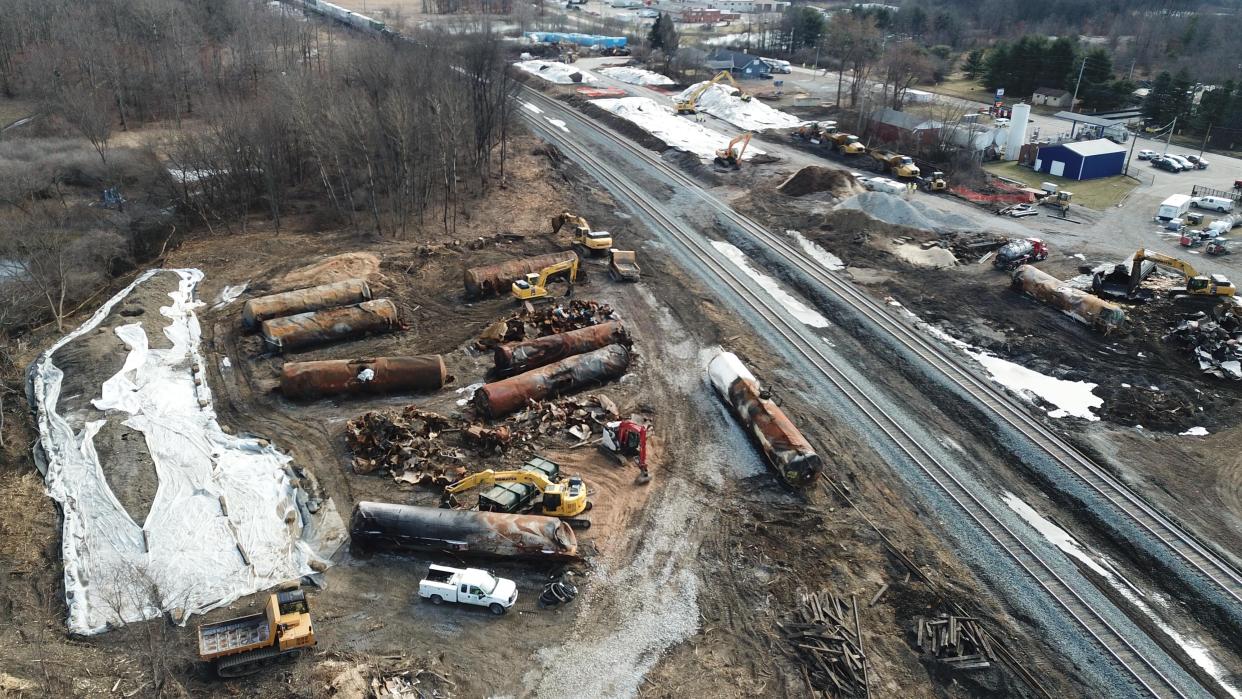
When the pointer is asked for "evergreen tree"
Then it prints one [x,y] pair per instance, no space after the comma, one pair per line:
[1058,62]
[663,35]
[1182,99]
[974,66]
[1157,106]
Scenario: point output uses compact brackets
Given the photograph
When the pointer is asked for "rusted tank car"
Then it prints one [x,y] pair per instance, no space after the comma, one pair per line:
[313,298]
[363,376]
[1079,305]
[503,397]
[315,328]
[782,445]
[524,356]
[376,525]
[498,279]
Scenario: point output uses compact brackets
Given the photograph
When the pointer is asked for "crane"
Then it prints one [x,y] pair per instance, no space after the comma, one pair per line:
[535,284]
[564,500]
[731,156]
[690,105]
[1215,285]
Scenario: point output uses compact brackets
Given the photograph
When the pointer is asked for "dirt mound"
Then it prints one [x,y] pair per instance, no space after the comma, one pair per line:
[899,212]
[349,265]
[813,178]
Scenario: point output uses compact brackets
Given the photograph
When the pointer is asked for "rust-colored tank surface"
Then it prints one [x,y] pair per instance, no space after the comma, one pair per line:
[503,397]
[524,356]
[313,298]
[377,376]
[309,329]
[1086,308]
[461,531]
[498,279]
[782,444]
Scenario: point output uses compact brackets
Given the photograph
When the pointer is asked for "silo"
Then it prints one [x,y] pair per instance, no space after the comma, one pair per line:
[1018,121]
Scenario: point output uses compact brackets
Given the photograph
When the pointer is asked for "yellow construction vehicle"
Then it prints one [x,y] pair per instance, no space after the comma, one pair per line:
[815,131]
[248,644]
[731,155]
[595,242]
[934,183]
[846,143]
[900,165]
[1059,200]
[533,489]
[690,105]
[1197,285]
[535,285]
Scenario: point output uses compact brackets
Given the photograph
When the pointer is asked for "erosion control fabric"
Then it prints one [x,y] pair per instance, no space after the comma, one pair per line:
[224,521]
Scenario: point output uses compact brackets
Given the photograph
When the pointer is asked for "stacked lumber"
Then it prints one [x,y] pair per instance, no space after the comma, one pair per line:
[956,640]
[826,638]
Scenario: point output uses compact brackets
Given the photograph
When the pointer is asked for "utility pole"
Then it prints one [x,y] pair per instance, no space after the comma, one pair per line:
[1133,143]
[1169,136]
[1205,140]
[1074,99]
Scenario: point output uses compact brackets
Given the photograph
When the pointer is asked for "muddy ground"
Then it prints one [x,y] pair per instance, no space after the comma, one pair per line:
[691,573]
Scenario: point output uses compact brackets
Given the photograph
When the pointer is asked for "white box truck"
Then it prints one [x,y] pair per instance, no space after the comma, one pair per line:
[468,586]
[1174,207]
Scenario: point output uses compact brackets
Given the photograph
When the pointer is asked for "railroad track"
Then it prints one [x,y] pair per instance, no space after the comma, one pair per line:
[1180,543]
[1094,622]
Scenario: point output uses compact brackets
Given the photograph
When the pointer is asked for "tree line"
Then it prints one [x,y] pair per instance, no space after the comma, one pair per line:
[1035,62]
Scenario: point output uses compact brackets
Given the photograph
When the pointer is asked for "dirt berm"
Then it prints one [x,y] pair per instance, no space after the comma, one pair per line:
[813,178]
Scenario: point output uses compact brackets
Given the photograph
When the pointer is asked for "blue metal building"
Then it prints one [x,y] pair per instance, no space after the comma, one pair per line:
[1082,160]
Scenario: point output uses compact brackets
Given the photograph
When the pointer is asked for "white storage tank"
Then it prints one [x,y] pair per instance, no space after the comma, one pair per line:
[1018,120]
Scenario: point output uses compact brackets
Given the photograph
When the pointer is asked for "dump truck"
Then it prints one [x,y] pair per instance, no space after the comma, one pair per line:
[846,143]
[623,266]
[247,644]
[896,163]
[815,131]
[468,586]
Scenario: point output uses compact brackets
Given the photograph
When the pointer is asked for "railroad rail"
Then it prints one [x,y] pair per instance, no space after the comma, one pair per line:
[1184,545]
[1063,592]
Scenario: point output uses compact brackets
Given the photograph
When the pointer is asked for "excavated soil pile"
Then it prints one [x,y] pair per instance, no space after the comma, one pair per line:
[899,212]
[349,265]
[812,179]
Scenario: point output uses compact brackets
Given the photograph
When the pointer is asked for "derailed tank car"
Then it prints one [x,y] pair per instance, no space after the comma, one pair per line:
[383,525]
[783,446]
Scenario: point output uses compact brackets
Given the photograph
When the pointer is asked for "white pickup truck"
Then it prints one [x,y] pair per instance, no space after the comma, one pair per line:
[468,586]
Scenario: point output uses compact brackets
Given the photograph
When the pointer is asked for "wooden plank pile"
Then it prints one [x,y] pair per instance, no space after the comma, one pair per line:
[956,640]
[825,636]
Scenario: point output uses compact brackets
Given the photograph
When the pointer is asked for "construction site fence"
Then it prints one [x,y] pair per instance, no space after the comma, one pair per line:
[1201,191]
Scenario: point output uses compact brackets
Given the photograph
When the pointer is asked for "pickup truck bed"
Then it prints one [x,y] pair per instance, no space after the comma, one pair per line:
[232,636]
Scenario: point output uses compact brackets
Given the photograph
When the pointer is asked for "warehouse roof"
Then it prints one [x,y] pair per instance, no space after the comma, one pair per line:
[1099,146]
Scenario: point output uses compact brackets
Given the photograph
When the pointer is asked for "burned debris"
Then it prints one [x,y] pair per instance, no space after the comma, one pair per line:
[574,373]
[825,636]
[1215,339]
[544,321]
[405,444]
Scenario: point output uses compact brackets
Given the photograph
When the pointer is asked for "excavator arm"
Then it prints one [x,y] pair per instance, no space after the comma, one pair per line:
[691,102]
[490,477]
[1142,255]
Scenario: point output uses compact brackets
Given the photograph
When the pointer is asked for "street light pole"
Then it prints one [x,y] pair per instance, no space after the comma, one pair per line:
[1074,99]
[1169,136]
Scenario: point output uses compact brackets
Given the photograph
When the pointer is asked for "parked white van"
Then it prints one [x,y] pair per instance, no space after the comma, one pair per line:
[1173,207]
[1220,204]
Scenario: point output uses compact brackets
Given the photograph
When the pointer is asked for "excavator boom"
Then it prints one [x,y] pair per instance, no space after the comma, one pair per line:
[690,105]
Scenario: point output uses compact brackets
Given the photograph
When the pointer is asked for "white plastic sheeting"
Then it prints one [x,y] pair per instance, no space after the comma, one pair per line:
[660,121]
[636,76]
[224,521]
[719,101]
[554,72]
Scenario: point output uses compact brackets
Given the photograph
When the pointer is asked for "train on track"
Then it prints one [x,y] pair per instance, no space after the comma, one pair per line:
[345,16]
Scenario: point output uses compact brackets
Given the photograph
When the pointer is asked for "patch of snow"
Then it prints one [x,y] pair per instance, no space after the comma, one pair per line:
[1080,256]
[636,76]
[531,108]
[558,124]
[1071,398]
[225,363]
[1195,432]
[556,72]
[826,259]
[1125,385]
[229,294]
[469,391]
[797,308]
[1070,547]
[660,121]
[721,102]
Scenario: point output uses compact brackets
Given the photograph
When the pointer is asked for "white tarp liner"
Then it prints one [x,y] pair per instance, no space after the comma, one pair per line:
[192,560]
[660,121]
[636,76]
[719,101]
[556,72]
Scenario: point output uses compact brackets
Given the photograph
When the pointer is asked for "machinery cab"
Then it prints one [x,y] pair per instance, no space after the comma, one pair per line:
[289,613]
[528,287]
[597,242]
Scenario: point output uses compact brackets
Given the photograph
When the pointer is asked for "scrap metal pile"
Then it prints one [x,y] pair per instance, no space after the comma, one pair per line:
[419,447]
[957,640]
[1215,338]
[826,637]
[550,320]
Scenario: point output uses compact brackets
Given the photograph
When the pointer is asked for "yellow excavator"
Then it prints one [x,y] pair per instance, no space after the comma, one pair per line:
[690,105]
[1197,285]
[595,242]
[535,284]
[531,489]
[731,155]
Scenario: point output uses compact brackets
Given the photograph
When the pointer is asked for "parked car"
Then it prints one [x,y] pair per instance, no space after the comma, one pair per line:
[1165,163]
[468,586]
[1220,204]
[1198,162]
[1186,164]
[1146,154]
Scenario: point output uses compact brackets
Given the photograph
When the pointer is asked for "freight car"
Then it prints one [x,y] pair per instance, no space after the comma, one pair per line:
[349,18]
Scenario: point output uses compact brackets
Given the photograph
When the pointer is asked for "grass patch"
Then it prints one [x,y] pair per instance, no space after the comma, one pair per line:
[12,110]
[962,88]
[1094,194]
